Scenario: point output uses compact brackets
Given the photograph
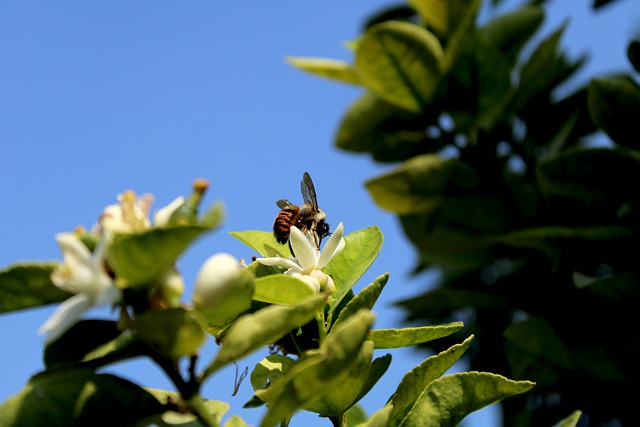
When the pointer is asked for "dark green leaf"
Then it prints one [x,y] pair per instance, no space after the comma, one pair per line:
[597,178]
[614,104]
[511,31]
[79,398]
[378,368]
[400,62]
[174,333]
[78,341]
[28,285]
[546,68]
[389,133]
[420,184]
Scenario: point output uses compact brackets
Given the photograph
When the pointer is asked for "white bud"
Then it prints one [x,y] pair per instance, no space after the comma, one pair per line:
[215,280]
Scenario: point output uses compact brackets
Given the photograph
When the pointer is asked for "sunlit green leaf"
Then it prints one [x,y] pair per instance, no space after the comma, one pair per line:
[571,420]
[269,370]
[171,418]
[396,338]
[355,416]
[263,327]
[79,397]
[378,368]
[443,16]
[281,289]
[614,104]
[175,332]
[28,285]
[449,399]
[361,249]
[380,418]
[235,421]
[366,298]
[416,380]
[400,62]
[263,242]
[139,258]
[329,68]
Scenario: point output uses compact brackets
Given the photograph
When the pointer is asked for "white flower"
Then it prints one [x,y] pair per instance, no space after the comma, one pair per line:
[82,274]
[309,261]
[130,215]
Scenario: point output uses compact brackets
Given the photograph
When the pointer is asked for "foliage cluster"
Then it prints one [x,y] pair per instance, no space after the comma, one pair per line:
[499,188]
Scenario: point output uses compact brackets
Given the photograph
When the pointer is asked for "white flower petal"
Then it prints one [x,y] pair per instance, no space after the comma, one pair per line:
[304,249]
[278,262]
[310,281]
[334,245]
[65,316]
[71,245]
[109,296]
[161,217]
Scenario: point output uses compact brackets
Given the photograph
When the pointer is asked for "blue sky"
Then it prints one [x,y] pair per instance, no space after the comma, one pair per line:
[99,97]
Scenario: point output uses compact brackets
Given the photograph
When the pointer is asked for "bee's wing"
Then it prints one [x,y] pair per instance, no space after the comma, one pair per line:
[283,203]
[308,191]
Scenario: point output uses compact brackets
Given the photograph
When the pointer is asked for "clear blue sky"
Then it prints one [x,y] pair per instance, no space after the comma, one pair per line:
[98,97]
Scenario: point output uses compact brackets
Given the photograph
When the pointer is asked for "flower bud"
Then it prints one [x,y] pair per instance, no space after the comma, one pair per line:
[223,290]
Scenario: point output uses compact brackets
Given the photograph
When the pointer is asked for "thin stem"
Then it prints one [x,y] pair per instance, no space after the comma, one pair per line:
[322,327]
[339,421]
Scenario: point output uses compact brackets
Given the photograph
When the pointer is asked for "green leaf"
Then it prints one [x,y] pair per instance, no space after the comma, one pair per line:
[264,327]
[535,351]
[545,68]
[235,421]
[28,285]
[355,416]
[478,83]
[378,368]
[174,333]
[79,397]
[511,31]
[388,132]
[269,370]
[380,418]
[400,62]
[605,241]
[263,242]
[326,381]
[416,380]
[614,104]
[78,341]
[598,178]
[361,249]
[281,289]
[444,16]
[333,69]
[139,258]
[447,400]
[217,409]
[366,298]
[571,420]
[406,337]
[420,183]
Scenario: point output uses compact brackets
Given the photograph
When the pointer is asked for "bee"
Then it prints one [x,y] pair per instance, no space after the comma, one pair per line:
[309,218]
